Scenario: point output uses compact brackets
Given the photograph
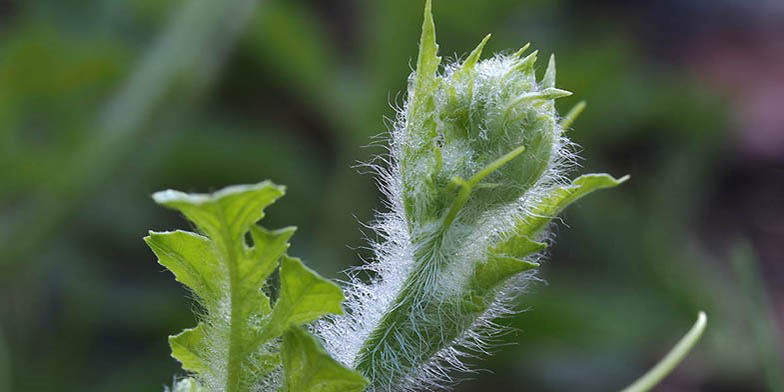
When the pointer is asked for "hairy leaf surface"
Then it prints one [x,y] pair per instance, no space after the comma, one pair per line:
[235,347]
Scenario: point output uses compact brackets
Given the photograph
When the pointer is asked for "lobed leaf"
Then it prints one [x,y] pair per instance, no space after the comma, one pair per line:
[227,274]
[226,214]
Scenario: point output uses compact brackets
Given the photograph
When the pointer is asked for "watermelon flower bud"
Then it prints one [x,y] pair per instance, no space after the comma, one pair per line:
[477,171]
[486,129]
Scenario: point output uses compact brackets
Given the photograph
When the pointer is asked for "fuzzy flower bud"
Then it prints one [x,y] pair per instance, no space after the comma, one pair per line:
[477,173]
[486,125]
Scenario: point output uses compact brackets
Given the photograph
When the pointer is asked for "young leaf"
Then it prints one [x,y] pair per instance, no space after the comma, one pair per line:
[561,197]
[428,59]
[234,348]
[226,215]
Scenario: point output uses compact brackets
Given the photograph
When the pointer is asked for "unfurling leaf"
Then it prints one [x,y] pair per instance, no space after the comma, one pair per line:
[235,347]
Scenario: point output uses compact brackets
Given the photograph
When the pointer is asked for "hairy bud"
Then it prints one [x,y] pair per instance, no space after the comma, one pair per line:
[487,123]
[477,173]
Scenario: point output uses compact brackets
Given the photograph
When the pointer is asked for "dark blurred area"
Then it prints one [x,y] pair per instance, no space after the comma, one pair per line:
[104,102]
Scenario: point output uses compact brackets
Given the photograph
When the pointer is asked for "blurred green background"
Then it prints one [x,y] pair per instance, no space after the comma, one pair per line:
[104,102]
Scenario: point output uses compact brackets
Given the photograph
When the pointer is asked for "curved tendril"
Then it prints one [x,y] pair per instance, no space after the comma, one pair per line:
[671,360]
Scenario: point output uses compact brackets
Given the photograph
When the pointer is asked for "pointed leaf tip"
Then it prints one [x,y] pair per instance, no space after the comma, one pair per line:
[473,58]
[522,50]
[428,60]
[563,196]
[574,112]
[555,93]
[548,93]
[531,58]
[526,64]
[549,75]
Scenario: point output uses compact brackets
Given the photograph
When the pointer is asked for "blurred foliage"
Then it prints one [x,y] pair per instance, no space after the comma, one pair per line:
[306,84]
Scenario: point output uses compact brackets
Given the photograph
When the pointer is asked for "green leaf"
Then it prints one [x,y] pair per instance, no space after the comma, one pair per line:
[548,81]
[190,257]
[427,60]
[426,80]
[263,257]
[304,297]
[310,369]
[188,348]
[226,214]
[572,115]
[228,275]
[497,269]
[560,198]
[505,259]
[473,57]
[518,246]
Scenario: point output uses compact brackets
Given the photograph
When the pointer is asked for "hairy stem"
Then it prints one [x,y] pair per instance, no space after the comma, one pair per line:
[234,364]
[424,319]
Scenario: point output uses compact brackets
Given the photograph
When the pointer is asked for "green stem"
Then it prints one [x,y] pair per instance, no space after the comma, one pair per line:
[236,325]
[671,360]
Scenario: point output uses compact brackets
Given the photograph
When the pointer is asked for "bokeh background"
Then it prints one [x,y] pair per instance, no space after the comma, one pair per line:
[104,102]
